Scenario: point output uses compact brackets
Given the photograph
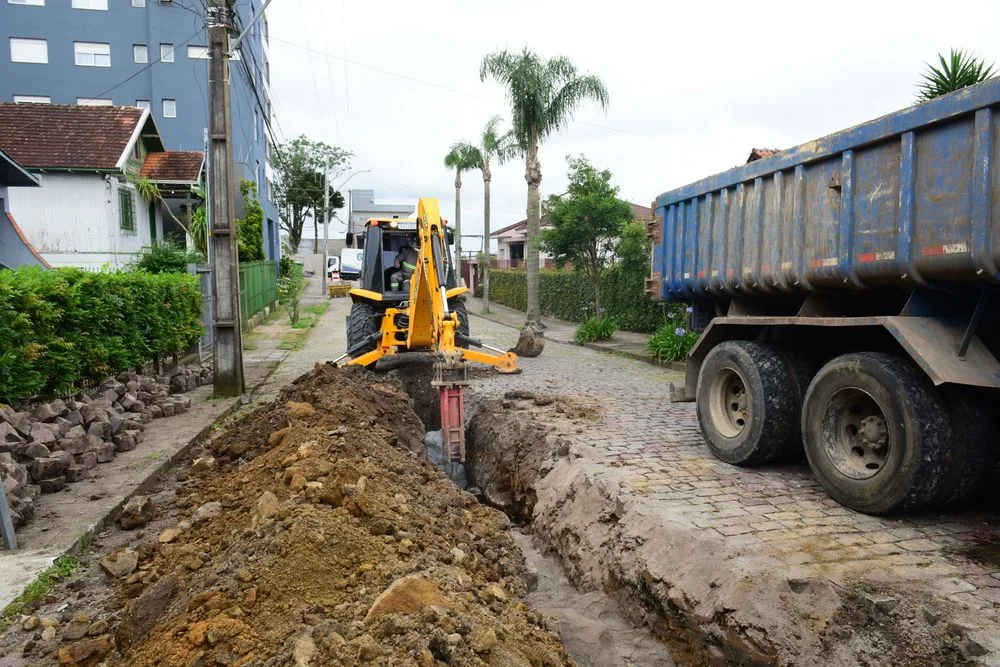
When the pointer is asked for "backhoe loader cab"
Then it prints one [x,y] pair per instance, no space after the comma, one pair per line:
[424,313]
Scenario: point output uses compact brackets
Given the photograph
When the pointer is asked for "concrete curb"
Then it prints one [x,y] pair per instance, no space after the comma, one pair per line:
[599,347]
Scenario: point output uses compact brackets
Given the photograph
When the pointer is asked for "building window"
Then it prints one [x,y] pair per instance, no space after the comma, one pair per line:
[31,99]
[93,102]
[29,50]
[167,53]
[198,52]
[91,4]
[138,3]
[92,54]
[36,3]
[142,104]
[126,211]
[140,54]
[170,108]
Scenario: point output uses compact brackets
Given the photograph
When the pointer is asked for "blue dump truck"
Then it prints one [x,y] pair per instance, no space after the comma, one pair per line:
[846,295]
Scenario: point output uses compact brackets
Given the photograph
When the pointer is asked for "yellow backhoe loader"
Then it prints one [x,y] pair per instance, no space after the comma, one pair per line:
[408,303]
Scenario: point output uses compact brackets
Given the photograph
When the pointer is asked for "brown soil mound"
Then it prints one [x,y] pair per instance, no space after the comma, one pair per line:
[329,541]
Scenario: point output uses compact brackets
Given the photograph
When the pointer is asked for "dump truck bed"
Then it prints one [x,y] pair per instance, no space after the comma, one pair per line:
[909,199]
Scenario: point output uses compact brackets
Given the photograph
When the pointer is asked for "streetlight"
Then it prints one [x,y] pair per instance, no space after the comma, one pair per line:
[326,219]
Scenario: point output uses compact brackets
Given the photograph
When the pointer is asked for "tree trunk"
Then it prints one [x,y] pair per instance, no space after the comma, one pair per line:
[597,295]
[533,176]
[315,235]
[458,226]
[487,177]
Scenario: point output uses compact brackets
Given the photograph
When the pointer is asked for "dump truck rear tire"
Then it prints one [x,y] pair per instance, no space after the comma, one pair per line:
[973,445]
[747,403]
[876,433]
[802,368]
[362,323]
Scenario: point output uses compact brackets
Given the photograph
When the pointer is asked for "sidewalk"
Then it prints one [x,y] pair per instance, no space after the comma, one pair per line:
[63,519]
[625,343]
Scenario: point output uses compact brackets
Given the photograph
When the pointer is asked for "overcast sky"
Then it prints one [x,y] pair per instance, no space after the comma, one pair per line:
[693,86]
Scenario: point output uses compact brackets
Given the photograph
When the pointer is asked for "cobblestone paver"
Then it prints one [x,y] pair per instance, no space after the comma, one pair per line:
[654,451]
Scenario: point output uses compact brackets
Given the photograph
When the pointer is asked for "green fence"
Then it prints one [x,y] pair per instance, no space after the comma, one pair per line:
[258,287]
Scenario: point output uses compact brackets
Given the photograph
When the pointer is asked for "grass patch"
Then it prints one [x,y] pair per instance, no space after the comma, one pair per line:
[292,341]
[63,567]
[319,308]
[249,347]
[305,322]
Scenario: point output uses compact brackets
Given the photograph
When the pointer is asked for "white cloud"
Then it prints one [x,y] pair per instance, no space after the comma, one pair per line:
[693,87]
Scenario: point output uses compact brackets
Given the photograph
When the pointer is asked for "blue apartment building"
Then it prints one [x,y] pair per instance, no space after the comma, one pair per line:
[146,53]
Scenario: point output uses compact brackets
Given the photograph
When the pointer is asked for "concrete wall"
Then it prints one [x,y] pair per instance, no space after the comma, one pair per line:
[73,220]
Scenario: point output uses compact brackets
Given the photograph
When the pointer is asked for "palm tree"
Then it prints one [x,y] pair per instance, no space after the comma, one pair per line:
[460,158]
[959,70]
[543,95]
[497,148]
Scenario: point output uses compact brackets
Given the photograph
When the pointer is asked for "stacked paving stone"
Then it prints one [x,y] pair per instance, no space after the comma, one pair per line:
[51,444]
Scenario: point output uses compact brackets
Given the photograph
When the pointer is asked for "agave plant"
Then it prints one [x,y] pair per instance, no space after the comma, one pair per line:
[958,70]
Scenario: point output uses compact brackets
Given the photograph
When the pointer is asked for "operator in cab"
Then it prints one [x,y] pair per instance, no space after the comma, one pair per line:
[406,264]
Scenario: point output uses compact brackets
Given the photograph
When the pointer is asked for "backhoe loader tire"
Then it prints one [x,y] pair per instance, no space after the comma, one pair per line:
[458,306]
[362,323]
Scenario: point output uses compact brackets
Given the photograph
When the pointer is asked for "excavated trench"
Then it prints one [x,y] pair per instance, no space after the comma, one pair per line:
[594,632]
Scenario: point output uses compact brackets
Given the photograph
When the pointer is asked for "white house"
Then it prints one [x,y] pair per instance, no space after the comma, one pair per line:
[512,238]
[86,159]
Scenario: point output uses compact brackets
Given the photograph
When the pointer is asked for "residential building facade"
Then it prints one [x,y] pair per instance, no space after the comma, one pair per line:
[88,211]
[146,53]
[15,249]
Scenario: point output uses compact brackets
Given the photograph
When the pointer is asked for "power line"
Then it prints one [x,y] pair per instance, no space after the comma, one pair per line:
[455,91]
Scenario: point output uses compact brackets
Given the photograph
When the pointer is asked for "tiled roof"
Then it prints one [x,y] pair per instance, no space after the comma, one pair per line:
[173,166]
[761,153]
[63,136]
[638,212]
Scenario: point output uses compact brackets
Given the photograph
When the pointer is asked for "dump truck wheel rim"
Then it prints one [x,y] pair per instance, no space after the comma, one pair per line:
[855,433]
[729,403]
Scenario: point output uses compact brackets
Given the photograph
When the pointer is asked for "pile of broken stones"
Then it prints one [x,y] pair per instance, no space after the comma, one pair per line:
[47,445]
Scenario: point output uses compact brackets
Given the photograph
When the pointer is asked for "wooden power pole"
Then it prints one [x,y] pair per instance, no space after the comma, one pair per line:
[228,357]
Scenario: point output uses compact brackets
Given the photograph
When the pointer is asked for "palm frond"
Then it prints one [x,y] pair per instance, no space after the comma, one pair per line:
[569,97]
[959,70]
[463,156]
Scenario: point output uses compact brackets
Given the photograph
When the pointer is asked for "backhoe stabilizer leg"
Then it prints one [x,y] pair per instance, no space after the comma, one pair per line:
[505,363]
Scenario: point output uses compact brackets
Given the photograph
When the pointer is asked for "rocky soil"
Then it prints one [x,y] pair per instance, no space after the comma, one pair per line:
[45,446]
[309,532]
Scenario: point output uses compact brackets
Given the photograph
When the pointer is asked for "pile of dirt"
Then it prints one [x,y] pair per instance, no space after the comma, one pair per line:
[314,534]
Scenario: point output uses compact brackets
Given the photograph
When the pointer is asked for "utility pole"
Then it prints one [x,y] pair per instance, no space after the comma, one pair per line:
[326,224]
[228,357]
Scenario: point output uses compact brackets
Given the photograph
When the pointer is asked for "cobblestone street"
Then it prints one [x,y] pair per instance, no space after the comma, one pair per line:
[651,450]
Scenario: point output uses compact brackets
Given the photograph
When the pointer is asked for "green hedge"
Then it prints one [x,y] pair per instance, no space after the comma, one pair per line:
[567,295]
[63,326]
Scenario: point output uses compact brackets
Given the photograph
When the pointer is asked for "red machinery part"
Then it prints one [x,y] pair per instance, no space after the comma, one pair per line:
[453,423]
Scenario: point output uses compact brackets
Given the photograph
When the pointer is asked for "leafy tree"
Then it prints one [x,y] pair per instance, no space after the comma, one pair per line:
[958,70]
[250,228]
[300,165]
[199,229]
[633,250]
[461,157]
[494,147]
[586,223]
[543,94]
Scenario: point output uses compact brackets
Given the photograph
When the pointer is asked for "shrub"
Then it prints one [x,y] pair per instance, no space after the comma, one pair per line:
[673,340]
[568,296]
[596,328]
[250,228]
[61,327]
[167,256]
[290,286]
